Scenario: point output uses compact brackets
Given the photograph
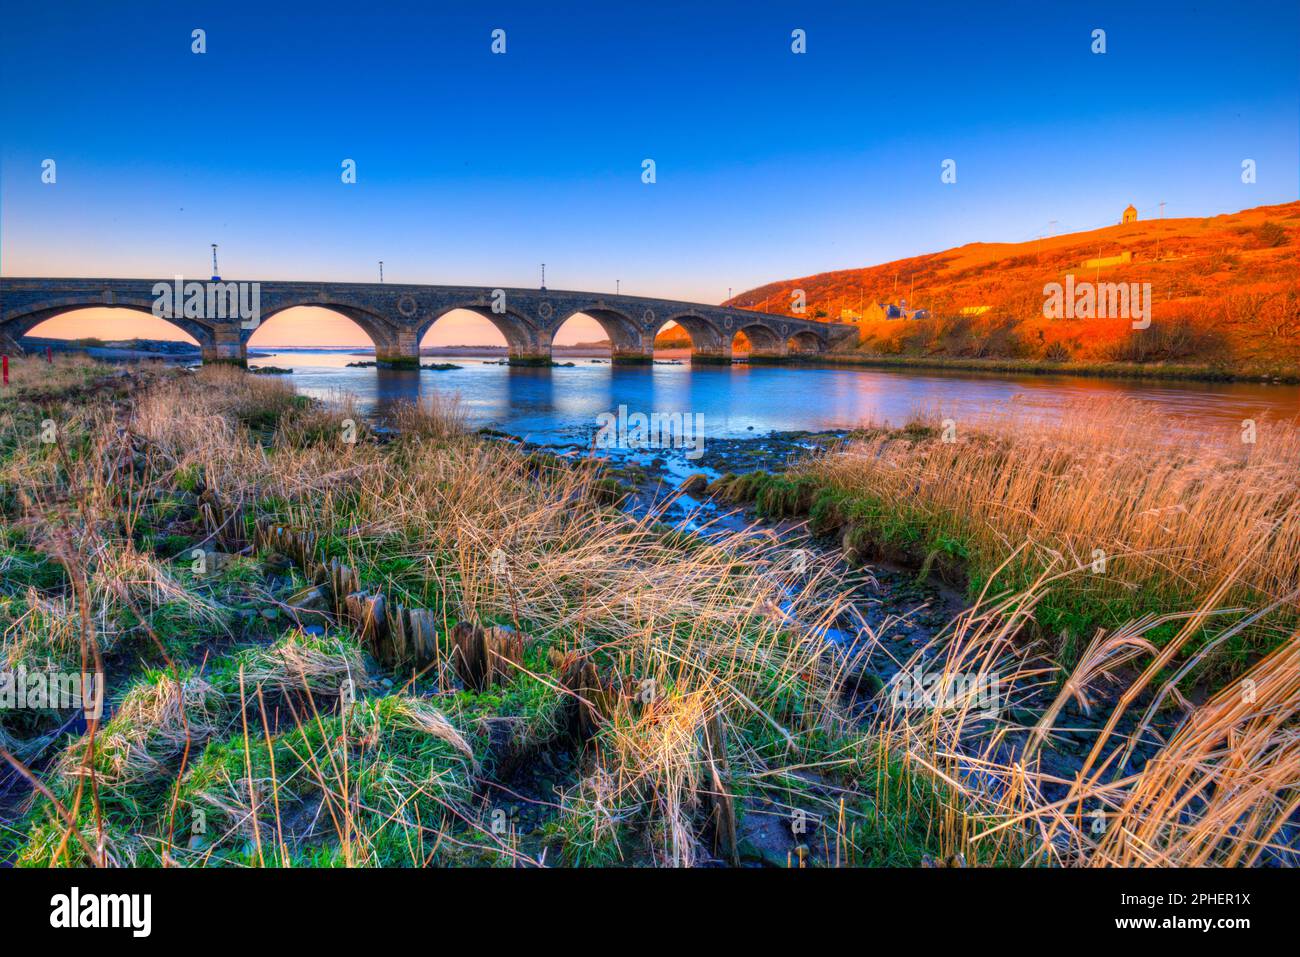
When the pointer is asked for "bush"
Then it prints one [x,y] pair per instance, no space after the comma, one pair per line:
[1057,352]
[1272,234]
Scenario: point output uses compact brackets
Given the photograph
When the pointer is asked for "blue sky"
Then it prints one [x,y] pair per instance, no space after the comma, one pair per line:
[474,168]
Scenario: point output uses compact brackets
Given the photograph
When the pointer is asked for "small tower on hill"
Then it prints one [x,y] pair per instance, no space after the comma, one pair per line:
[1130,215]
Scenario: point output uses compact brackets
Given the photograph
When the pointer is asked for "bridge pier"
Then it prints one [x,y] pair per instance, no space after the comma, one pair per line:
[632,353]
[403,352]
[712,355]
[226,347]
[769,356]
[526,356]
[529,348]
[9,345]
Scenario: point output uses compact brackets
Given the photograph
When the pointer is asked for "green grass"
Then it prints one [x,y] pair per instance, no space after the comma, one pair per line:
[1071,610]
[1184,372]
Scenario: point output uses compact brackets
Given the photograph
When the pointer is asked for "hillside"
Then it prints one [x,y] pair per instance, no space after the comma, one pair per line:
[1225,296]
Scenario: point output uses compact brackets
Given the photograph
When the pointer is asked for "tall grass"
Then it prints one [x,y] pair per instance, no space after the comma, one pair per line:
[1151,512]
[1222,790]
[676,636]
[691,675]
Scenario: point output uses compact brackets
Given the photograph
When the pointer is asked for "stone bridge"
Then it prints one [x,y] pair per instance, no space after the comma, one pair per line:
[397,316]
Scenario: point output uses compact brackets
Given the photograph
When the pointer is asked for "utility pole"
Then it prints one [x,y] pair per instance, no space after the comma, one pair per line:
[543,277]
[381,270]
[617,284]
[216,276]
[1161,229]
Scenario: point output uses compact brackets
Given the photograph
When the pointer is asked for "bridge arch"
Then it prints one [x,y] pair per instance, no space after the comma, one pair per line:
[383,334]
[528,344]
[762,342]
[627,337]
[17,323]
[268,330]
[805,342]
[709,343]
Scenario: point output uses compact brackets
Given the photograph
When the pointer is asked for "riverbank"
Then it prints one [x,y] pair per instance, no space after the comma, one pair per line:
[1100,370]
[333,641]
[1135,515]
[508,670]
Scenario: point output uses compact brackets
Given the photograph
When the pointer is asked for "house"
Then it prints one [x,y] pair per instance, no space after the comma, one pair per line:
[875,312]
[881,311]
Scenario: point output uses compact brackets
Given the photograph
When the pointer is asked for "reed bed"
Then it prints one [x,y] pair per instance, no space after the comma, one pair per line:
[1151,513]
[652,638]
[1221,790]
[682,688]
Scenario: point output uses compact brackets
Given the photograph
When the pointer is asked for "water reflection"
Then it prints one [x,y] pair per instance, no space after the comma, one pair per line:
[391,386]
[561,403]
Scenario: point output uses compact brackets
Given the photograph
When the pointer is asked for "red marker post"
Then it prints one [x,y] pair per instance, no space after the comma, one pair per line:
[6,365]
[49,355]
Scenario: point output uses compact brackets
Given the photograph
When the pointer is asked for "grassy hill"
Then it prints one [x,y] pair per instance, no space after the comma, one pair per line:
[1225,294]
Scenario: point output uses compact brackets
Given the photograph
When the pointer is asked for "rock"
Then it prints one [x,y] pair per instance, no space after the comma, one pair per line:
[695,484]
[317,630]
[271,614]
[859,679]
[276,562]
[749,851]
[312,600]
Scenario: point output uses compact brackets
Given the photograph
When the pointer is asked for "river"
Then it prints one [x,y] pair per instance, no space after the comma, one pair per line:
[560,404]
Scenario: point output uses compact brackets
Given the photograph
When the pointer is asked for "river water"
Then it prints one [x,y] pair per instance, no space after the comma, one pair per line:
[560,404]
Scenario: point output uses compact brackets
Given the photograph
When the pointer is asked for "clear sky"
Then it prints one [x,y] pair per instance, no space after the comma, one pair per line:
[474,168]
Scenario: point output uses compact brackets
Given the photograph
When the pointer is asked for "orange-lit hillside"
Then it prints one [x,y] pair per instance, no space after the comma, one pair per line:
[1225,293]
